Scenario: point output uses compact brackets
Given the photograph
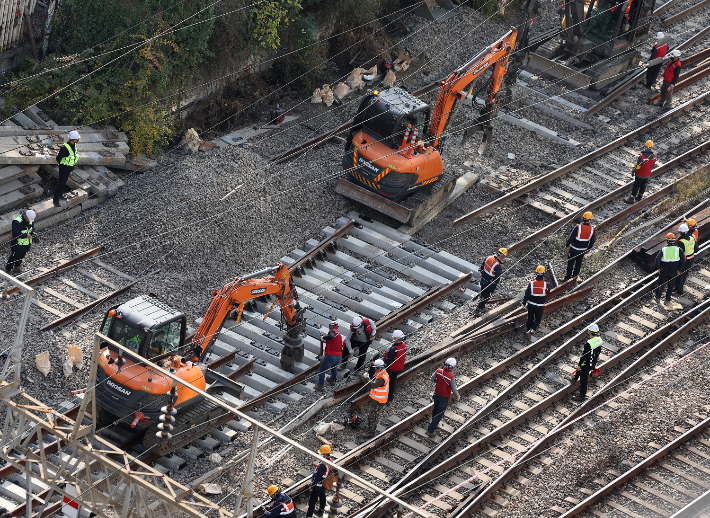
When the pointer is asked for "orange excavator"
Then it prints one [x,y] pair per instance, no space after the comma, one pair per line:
[395,142]
[152,330]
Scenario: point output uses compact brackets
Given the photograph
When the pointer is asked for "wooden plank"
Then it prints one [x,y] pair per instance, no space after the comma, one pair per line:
[96,278]
[646,504]
[45,307]
[684,474]
[681,489]
[112,269]
[413,444]
[625,510]
[659,494]
[64,298]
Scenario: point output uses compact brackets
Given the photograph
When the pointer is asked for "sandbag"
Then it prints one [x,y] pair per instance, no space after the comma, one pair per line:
[316,97]
[341,90]
[67,366]
[77,357]
[42,363]
[389,79]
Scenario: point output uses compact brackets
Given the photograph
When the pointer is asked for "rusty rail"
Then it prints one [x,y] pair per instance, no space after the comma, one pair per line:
[61,266]
[575,164]
[685,12]
[697,76]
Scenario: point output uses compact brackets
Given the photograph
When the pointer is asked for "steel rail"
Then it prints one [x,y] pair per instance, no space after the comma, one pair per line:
[637,469]
[556,225]
[577,163]
[694,508]
[697,76]
[685,12]
[61,266]
[630,294]
[303,261]
[702,309]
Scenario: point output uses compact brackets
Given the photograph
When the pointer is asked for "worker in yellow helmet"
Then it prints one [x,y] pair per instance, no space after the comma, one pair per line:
[491,271]
[642,172]
[534,298]
[580,242]
[318,478]
[281,504]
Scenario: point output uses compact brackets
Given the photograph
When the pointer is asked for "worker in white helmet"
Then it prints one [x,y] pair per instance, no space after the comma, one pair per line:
[670,78]
[394,360]
[378,385]
[686,243]
[587,361]
[23,235]
[362,333]
[659,50]
[67,158]
[445,387]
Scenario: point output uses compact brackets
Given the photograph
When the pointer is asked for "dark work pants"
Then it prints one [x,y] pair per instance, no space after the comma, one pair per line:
[373,415]
[574,262]
[639,187]
[317,493]
[437,412]
[393,384]
[666,277]
[534,317]
[487,289]
[666,96]
[17,254]
[583,377]
[64,172]
[680,281]
[359,350]
[652,75]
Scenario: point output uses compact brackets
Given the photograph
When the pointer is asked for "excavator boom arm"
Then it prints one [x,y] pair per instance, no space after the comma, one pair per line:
[452,89]
[233,296]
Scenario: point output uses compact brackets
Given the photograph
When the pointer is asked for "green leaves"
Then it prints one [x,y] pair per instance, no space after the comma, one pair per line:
[270,16]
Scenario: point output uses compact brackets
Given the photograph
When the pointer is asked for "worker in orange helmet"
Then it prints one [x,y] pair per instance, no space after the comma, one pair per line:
[642,172]
[491,270]
[670,261]
[693,229]
[534,298]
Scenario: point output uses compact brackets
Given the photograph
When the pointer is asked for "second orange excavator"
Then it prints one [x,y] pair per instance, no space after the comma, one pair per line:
[171,416]
[396,139]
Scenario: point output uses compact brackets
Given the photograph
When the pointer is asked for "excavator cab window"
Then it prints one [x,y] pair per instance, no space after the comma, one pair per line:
[380,121]
[127,335]
[604,19]
[418,119]
[165,339]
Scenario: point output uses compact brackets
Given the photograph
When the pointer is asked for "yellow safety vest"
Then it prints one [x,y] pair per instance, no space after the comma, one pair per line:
[24,240]
[73,157]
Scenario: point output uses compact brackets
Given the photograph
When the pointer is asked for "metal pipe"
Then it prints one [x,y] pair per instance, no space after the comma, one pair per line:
[265,271]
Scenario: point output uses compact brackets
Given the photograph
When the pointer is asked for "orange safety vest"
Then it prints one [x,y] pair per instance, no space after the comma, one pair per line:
[490,265]
[380,394]
[584,232]
[538,291]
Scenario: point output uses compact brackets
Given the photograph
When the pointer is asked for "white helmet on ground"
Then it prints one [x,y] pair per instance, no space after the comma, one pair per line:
[675,53]
[357,322]
[683,228]
[660,35]
[451,362]
[31,215]
[398,334]
[594,328]
[379,363]
[74,135]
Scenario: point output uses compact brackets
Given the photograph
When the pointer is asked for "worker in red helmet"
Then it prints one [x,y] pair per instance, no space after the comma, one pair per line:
[670,261]
[334,343]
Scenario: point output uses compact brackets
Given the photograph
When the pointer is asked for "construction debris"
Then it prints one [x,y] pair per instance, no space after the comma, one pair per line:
[42,363]
[192,141]
[77,357]
[401,63]
[341,90]
[389,79]
[210,489]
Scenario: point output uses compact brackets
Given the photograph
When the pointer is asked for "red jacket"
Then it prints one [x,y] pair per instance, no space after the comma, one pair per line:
[334,346]
[645,163]
[396,356]
[444,377]
[669,74]
[368,328]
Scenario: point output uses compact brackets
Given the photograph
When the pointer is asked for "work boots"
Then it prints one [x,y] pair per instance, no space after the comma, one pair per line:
[577,397]
[319,387]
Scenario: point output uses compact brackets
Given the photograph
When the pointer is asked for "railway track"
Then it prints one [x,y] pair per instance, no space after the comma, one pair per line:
[673,480]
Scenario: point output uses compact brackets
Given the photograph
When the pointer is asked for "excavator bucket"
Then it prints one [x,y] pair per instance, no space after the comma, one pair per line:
[437,10]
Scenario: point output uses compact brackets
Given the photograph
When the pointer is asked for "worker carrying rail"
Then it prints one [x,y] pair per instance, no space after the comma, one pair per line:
[686,240]
[670,261]
[642,172]
[445,387]
[534,298]
[580,242]
[659,50]
[491,270]
[281,504]
[587,362]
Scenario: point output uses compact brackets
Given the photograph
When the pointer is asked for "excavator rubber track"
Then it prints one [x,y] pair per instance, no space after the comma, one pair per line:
[195,422]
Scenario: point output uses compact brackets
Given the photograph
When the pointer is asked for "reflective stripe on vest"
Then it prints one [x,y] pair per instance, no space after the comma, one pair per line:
[490,266]
[443,382]
[689,244]
[286,508]
[327,474]
[380,394]
[670,254]
[73,157]
[538,290]
[584,232]
[595,342]
[24,240]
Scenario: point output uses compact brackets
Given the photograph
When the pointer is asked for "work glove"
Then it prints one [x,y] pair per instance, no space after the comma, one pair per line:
[457,399]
